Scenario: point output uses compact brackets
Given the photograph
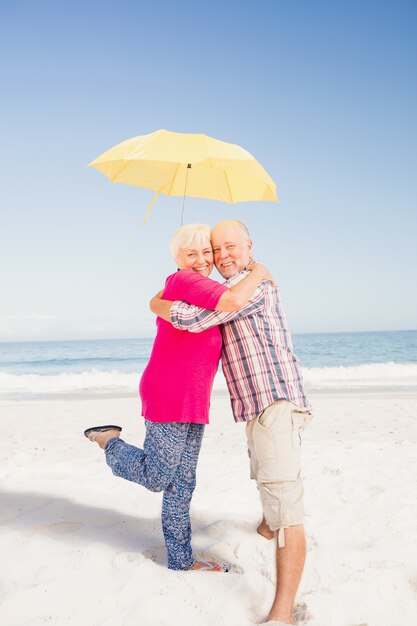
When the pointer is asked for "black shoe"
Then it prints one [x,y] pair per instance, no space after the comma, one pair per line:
[101,429]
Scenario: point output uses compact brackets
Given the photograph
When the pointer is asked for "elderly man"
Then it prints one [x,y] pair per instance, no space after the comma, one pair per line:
[266,390]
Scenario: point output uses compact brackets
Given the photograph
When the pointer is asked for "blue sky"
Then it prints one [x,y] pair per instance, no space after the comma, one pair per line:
[322,93]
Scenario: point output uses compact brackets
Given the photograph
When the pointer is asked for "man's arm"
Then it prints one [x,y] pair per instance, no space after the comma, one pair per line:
[234,299]
[189,317]
[194,319]
[187,312]
[239,294]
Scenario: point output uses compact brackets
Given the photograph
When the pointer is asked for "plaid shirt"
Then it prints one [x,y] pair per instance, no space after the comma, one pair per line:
[258,359]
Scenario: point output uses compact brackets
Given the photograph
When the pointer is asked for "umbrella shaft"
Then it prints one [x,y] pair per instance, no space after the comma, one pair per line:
[185,191]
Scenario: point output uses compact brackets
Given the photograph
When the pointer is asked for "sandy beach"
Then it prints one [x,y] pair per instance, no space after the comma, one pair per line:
[82,547]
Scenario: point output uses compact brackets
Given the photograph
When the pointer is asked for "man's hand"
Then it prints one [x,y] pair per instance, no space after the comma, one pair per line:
[261,271]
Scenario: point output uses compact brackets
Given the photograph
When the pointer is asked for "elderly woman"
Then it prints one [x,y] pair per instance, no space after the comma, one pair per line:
[175,391]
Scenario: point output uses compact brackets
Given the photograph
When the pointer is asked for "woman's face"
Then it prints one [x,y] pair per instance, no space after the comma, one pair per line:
[196,258]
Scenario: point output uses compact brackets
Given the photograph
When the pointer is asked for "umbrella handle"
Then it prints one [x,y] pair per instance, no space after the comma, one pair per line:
[149,208]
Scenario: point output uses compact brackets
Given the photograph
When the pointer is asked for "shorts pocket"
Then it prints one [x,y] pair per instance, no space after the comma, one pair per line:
[299,421]
[278,447]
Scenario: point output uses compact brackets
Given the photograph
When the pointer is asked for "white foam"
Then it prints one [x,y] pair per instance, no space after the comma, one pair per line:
[92,381]
[97,381]
[368,375]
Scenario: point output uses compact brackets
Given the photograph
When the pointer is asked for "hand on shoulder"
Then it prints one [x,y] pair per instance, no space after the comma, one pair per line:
[260,270]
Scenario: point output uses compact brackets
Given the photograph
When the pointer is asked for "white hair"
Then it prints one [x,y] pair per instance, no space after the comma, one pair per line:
[187,236]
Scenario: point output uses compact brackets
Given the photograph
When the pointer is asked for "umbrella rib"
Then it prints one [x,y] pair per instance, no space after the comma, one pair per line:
[113,179]
[225,170]
[207,146]
[173,178]
[230,189]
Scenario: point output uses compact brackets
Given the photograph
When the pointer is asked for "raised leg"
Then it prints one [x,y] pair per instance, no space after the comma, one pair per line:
[155,465]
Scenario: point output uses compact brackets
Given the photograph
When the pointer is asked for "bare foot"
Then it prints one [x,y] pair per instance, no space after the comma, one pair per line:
[103,438]
[264,530]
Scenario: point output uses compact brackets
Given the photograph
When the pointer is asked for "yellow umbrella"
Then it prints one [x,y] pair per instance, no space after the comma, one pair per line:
[180,164]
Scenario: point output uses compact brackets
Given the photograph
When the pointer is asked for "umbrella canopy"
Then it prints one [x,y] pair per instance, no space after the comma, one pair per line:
[196,165]
[181,164]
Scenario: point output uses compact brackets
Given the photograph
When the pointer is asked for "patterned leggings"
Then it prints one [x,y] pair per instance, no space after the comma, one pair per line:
[167,463]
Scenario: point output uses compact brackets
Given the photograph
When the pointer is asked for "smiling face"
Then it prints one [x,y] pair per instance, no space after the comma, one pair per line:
[197,258]
[232,248]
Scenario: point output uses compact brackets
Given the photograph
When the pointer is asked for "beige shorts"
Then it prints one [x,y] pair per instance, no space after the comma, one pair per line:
[274,448]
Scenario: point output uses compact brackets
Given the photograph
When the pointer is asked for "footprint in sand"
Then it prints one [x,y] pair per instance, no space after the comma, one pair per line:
[387,564]
[313,582]
[300,613]
[123,560]
[413,582]
[311,543]
[268,575]
[56,528]
[262,556]
[157,554]
[331,471]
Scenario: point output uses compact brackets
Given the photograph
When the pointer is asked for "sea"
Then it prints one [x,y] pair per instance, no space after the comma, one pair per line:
[330,361]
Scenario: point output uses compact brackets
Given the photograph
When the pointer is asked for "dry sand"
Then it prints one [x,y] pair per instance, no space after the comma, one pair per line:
[81,547]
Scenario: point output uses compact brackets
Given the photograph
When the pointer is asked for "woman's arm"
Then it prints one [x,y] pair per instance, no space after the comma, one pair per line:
[232,300]
[239,295]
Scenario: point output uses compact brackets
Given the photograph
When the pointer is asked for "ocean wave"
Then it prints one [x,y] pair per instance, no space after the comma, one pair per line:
[97,381]
[70,361]
[367,375]
[89,381]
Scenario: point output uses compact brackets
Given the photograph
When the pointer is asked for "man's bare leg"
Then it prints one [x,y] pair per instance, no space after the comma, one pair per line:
[290,565]
[264,530]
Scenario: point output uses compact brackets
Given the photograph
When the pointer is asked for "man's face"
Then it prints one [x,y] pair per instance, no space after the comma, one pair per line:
[231,248]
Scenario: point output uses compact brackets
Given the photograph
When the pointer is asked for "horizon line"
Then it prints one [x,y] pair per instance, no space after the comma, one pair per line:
[332,332]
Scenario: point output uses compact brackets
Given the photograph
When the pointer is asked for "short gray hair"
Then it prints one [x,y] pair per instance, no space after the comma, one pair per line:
[187,236]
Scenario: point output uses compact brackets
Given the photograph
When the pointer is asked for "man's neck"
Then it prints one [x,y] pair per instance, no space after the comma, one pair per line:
[236,277]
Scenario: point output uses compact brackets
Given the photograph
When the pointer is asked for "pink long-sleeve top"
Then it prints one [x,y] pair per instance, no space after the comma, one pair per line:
[177,382]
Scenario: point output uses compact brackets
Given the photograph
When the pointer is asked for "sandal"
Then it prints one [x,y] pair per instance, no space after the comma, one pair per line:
[210,566]
[101,429]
